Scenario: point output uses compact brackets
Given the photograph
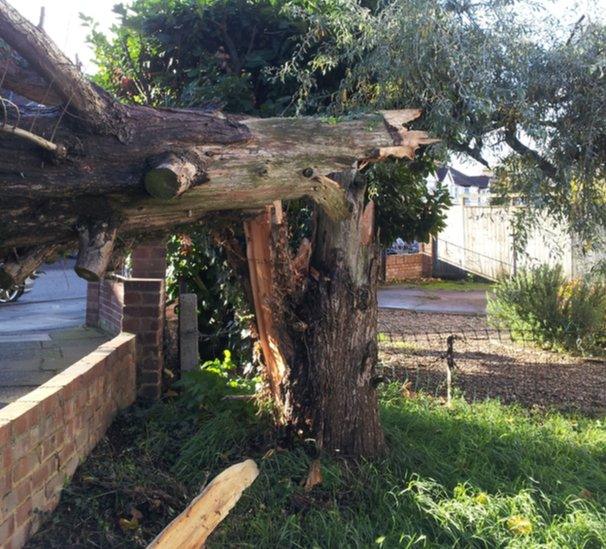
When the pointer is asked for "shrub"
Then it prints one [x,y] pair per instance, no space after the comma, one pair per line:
[541,305]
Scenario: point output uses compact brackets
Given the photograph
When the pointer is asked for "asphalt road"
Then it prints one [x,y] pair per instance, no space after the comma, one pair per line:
[433,301]
[57,301]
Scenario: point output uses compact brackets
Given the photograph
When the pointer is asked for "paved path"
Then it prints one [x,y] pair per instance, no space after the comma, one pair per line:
[433,301]
[28,360]
[43,333]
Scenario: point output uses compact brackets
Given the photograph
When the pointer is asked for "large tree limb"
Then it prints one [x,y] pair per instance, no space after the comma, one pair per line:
[16,269]
[95,107]
[168,167]
[241,165]
[512,140]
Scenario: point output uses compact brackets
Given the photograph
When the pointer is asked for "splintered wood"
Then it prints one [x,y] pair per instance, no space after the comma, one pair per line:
[192,527]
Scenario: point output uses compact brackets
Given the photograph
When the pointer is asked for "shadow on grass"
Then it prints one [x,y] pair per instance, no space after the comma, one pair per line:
[476,475]
[481,475]
[528,379]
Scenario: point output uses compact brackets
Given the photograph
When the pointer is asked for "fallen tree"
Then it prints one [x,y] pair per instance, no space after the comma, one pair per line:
[92,163]
[97,174]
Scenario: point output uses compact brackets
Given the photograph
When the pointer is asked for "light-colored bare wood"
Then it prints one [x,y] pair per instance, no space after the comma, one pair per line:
[258,254]
[192,527]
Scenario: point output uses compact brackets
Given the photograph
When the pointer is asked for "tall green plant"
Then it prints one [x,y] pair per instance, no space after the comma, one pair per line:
[540,304]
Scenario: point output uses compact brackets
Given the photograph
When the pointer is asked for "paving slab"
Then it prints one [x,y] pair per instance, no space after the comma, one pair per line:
[24,365]
[43,332]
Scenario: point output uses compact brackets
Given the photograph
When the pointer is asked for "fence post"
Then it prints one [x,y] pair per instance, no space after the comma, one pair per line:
[188,332]
[449,366]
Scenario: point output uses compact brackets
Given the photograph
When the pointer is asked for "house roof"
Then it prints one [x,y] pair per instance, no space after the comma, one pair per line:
[462,180]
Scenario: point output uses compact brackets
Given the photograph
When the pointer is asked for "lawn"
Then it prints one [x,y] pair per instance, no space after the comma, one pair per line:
[483,475]
[465,285]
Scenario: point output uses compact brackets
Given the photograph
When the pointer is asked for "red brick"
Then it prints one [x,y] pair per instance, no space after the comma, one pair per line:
[6,483]
[53,485]
[6,457]
[43,472]
[5,431]
[147,376]
[142,311]
[6,529]
[143,285]
[20,536]
[23,512]
[150,392]
[25,465]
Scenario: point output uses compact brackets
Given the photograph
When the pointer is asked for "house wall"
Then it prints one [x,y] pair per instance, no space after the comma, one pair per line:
[46,434]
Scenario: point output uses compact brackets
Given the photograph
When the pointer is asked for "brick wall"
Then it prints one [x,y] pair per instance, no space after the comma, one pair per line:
[48,432]
[104,303]
[137,306]
[408,267]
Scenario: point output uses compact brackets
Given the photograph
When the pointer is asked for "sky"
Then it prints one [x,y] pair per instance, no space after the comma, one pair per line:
[63,25]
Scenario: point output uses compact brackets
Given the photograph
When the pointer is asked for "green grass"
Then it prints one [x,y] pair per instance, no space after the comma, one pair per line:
[475,475]
[465,285]
[482,475]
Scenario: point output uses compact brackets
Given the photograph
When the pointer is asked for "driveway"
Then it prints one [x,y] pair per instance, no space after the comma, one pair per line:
[43,333]
[433,301]
[57,301]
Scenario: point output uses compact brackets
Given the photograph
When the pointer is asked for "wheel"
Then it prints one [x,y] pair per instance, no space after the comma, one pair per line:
[12,294]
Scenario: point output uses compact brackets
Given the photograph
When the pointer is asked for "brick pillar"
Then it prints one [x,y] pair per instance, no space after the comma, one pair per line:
[143,315]
[149,260]
[92,304]
[136,305]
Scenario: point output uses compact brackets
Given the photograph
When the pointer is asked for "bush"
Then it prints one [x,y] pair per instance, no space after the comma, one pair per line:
[541,305]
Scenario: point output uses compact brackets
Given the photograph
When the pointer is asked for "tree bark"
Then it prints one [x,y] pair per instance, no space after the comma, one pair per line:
[317,323]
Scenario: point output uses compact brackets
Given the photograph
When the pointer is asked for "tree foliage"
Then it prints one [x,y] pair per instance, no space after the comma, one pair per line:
[206,53]
[193,53]
[406,207]
[493,77]
[197,265]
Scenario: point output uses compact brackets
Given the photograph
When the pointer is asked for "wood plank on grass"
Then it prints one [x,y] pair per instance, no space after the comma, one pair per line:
[193,526]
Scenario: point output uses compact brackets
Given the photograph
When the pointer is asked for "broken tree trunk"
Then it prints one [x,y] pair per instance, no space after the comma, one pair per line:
[85,170]
[317,317]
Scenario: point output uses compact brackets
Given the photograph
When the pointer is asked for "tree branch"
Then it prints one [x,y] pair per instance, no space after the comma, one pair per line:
[471,152]
[95,106]
[523,150]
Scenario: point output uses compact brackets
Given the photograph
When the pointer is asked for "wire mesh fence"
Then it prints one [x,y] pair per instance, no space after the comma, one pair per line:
[487,363]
